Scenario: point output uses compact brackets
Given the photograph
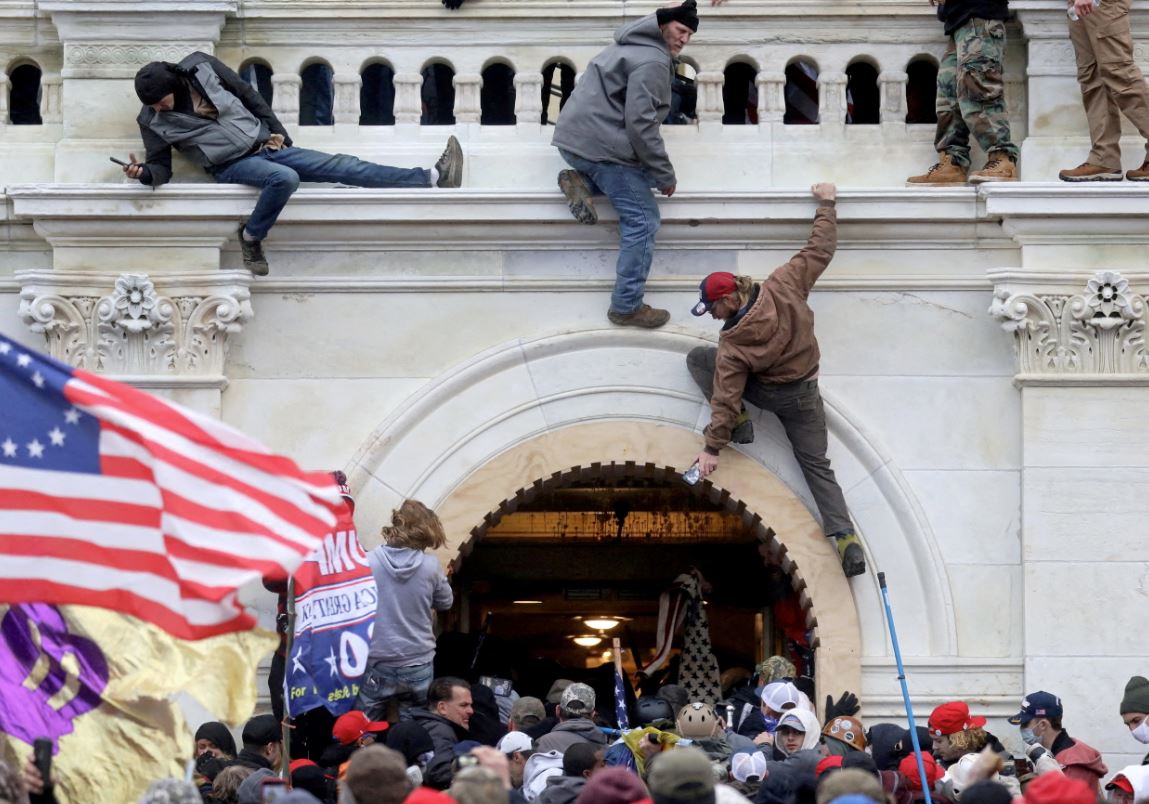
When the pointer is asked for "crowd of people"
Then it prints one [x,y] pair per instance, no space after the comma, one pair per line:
[463,747]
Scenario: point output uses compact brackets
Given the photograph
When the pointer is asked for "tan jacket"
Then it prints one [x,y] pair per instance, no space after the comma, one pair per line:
[775,340]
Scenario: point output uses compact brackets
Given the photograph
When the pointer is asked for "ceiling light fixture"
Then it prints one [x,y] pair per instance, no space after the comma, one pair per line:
[600,623]
[526,602]
[587,641]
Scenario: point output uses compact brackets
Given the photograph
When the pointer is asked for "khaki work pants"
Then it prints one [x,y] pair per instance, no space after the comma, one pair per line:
[1111,83]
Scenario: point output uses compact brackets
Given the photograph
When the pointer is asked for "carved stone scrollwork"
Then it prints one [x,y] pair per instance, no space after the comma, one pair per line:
[1098,331]
[134,330]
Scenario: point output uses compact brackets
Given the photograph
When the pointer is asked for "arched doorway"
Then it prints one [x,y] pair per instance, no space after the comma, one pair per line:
[576,559]
[497,423]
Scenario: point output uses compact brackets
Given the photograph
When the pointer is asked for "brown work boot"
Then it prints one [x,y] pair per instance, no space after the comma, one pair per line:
[1087,171]
[999,167]
[944,172]
[1139,174]
[646,317]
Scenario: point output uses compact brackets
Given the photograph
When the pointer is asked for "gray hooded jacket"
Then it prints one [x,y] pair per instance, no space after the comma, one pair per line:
[569,732]
[617,107]
[411,584]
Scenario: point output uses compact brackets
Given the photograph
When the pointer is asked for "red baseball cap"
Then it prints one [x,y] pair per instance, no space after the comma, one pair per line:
[952,717]
[296,764]
[908,767]
[713,288]
[827,763]
[353,725]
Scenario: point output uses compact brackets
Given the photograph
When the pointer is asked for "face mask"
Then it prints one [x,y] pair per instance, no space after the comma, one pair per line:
[771,723]
[1028,737]
[1141,733]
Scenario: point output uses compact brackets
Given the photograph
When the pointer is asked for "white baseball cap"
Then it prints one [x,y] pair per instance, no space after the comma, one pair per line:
[515,741]
[778,696]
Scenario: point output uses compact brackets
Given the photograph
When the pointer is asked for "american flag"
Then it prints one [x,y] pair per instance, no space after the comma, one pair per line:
[112,497]
[619,688]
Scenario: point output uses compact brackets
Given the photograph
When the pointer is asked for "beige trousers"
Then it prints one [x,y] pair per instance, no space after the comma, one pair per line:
[1111,83]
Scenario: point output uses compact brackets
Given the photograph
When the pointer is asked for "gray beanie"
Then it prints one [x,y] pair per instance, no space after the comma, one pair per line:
[1136,696]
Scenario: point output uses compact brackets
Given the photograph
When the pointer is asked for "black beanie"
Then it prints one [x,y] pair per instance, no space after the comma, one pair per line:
[1136,696]
[155,80]
[219,734]
[687,14]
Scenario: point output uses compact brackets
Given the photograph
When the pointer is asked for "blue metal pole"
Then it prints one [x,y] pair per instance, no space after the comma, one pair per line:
[905,689]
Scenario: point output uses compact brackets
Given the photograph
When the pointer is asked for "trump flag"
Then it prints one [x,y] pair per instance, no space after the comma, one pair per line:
[112,497]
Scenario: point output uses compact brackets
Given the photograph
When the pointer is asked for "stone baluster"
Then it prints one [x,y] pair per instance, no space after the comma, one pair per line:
[467,100]
[285,97]
[408,98]
[5,93]
[51,87]
[528,99]
[347,88]
[892,96]
[771,96]
[710,96]
[832,100]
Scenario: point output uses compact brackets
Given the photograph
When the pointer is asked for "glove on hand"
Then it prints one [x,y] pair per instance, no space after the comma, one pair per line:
[846,705]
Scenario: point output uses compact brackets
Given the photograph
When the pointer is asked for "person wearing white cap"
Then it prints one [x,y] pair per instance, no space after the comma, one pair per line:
[517,746]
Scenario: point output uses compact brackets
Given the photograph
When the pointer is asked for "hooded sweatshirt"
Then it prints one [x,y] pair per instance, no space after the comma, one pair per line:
[569,732]
[411,584]
[1079,761]
[617,107]
[562,789]
[1138,776]
[808,722]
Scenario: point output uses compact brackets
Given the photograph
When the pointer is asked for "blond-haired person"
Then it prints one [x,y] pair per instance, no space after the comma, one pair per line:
[411,587]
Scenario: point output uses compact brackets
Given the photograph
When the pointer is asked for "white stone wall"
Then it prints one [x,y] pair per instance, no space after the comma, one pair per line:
[987,488]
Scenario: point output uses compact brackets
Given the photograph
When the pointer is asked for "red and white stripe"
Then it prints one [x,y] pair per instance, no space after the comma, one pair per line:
[186,511]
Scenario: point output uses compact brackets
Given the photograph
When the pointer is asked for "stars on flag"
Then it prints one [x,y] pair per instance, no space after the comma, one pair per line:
[32,442]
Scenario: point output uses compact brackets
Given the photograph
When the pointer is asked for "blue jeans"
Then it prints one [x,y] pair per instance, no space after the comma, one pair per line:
[278,174]
[407,685]
[628,189]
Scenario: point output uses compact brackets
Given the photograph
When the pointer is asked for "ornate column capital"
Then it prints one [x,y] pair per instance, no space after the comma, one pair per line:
[1091,331]
[174,334]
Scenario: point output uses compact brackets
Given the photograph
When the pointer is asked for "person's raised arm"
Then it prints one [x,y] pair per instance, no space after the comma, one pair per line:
[807,265]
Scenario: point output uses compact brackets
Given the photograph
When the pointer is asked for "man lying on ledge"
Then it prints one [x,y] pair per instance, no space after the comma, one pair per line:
[203,109]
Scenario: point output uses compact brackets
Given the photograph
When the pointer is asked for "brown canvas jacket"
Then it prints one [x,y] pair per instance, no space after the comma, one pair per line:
[775,339]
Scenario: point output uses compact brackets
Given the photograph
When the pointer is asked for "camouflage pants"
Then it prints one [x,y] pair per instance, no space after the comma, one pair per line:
[971,92]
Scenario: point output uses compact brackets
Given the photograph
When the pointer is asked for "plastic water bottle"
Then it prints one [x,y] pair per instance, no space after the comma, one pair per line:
[692,475]
[1072,12]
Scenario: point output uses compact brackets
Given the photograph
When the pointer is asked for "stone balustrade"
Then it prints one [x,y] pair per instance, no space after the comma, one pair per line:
[782,97]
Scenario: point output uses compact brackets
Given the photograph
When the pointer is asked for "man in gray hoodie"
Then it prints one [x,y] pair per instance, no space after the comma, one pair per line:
[609,133]
[576,724]
[411,586]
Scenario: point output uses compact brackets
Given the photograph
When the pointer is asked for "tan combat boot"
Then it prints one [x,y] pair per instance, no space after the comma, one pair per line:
[999,167]
[944,172]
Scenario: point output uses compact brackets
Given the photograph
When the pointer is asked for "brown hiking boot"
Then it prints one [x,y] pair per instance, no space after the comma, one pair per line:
[999,167]
[944,172]
[575,188]
[1139,174]
[646,317]
[1089,172]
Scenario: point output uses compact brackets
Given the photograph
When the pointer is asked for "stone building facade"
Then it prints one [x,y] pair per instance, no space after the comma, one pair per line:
[984,356]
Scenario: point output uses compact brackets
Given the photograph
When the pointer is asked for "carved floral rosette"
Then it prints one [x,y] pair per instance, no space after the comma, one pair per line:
[1098,331]
[136,330]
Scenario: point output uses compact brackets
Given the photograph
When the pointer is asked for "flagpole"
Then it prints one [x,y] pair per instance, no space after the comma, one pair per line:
[285,760]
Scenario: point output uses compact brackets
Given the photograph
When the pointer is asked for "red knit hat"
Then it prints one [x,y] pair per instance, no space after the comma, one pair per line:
[1057,788]
[908,768]
[827,763]
[613,786]
[952,717]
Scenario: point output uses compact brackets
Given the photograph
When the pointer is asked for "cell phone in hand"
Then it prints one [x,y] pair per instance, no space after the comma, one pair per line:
[119,161]
[1022,766]
[42,757]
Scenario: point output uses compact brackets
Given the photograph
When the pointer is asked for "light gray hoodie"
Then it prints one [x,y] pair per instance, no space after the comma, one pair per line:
[616,110]
[411,584]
